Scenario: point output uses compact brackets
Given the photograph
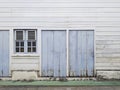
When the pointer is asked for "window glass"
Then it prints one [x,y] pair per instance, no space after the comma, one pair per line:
[29,49]
[33,43]
[22,49]
[34,49]
[19,35]
[17,49]
[22,43]
[31,35]
[29,43]
[17,43]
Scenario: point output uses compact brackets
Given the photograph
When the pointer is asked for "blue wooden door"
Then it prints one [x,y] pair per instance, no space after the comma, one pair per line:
[4,53]
[81,53]
[53,53]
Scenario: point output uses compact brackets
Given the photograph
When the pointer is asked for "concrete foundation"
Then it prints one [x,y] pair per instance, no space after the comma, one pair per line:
[24,75]
[108,75]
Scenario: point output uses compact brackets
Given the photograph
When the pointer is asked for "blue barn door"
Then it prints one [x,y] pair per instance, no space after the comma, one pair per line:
[81,53]
[53,53]
[4,53]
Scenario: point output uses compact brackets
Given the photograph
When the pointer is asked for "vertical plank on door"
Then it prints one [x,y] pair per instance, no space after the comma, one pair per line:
[83,61]
[1,54]
[90,53]
[50,54]
[56,53]
[63,55]
[4,53]
[79,52]
[47,53]
[73,54]
[44,53]
[60,53]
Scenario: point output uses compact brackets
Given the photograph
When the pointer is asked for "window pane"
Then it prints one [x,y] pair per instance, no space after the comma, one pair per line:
[31,35]
[33,43]
[29,43]
[17,49]
[29,49]
[34,49]
[22,43]
[22,49]
[19,35]
[17,43]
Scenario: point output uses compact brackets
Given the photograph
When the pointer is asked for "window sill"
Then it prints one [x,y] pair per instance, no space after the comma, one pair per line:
[25,55]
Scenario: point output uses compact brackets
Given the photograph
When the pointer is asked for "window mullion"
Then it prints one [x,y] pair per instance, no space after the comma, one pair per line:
[25,41]
[31,46]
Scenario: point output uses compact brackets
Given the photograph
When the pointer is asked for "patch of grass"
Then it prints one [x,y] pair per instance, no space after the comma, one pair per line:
[59,83]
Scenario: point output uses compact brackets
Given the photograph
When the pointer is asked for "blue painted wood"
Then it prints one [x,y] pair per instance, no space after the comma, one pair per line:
[54,53]
[73,53]
[81,52]
[0,54]
[90,53]
[84,57]
[4,53]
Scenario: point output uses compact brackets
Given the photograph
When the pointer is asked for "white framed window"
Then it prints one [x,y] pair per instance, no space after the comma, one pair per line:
[31,41]
[25,41]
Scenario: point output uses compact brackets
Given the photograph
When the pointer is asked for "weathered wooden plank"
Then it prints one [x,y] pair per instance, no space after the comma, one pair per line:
[108,51]
[56,55]
[108,64]
[50,53]
[108,33]
[25,67]
[44,53]
[60,1]
[25,61]
[59,10]
[48,14]
[107,29]
[84,56]
[63,56]
[62,4]
[109,46]
[62,20]
[59,53]
[4,53]
[117,55]
[1,54]
[79,68]
[47,1]
[90,53]
[72,50]
[107,68]
[108,60]
[57,24]
[105,37]
[107,42]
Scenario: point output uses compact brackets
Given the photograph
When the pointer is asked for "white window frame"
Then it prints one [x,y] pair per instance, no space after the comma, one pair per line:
[25,39]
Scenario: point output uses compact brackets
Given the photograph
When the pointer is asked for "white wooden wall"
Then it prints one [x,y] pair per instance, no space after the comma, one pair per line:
[101,15]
